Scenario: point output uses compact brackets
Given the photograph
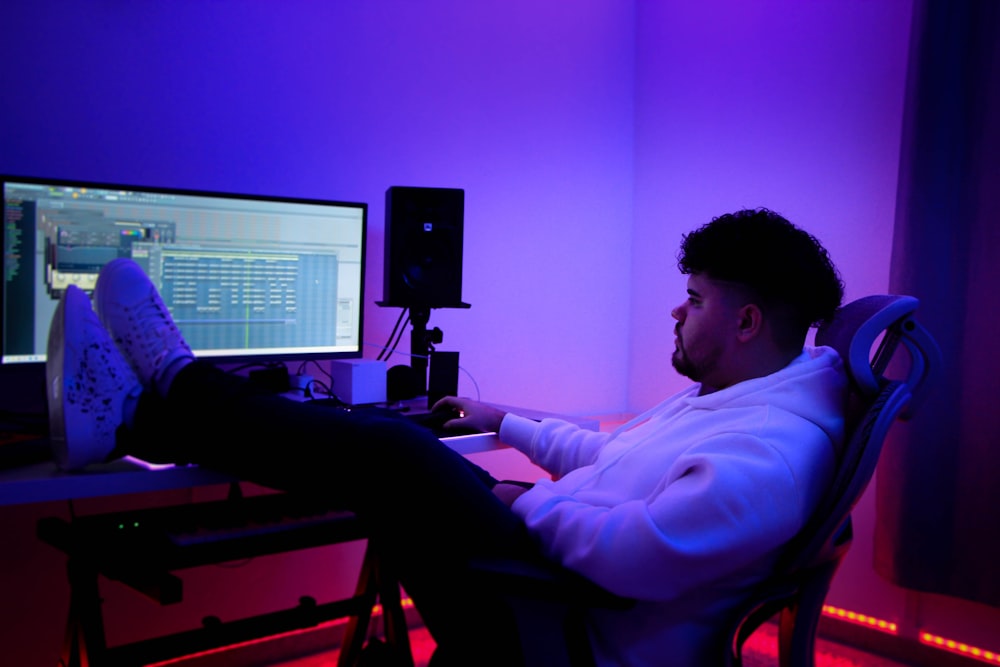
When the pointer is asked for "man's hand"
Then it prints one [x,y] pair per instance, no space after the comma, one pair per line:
[508,492]
[472,414]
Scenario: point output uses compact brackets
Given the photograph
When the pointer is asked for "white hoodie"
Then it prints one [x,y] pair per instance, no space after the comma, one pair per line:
[684,508]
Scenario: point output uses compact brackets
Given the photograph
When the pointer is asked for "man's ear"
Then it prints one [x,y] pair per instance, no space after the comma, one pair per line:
[751,322]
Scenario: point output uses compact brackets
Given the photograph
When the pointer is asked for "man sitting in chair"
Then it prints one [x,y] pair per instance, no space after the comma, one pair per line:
[684,508]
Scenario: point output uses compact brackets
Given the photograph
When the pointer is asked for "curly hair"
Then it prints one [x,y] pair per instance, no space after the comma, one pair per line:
[788,272]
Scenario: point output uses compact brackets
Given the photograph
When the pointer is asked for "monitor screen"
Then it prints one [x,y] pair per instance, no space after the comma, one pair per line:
[246,277]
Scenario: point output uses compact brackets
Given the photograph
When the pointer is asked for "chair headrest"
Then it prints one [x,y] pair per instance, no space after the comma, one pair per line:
[858,325]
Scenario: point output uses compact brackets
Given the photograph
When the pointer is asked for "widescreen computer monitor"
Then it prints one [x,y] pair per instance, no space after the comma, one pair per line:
[246,277]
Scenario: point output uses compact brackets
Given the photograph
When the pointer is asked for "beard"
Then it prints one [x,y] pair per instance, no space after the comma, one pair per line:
[691,367]
[683,364]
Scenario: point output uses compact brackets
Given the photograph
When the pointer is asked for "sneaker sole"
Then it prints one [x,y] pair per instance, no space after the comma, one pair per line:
[75,426]
[54,369]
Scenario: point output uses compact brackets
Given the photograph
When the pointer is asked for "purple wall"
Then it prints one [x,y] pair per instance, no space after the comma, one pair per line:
[792,106]
[528,107]
[587,142]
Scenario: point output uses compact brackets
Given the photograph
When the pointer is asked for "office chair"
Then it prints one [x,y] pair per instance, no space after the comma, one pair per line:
[550,604]
[810,561]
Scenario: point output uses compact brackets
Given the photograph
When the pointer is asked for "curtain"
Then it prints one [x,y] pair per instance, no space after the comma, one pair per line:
[938,482]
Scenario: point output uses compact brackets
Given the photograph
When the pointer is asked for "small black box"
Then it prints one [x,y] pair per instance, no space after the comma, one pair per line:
[443,380]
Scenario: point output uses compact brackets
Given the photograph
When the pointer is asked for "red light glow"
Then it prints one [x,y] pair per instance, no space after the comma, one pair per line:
[952,646]
[762,644]
[376,611]
[861,619]
[935,641]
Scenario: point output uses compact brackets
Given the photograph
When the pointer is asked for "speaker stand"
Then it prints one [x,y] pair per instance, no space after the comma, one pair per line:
[422,344]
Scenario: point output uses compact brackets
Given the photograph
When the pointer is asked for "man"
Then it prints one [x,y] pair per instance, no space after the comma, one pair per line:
[684,508]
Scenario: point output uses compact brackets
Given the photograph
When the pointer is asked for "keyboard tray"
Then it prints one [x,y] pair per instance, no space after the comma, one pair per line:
[139,548]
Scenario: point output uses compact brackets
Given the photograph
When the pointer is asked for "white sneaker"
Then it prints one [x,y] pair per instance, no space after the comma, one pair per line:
[87,384]
[140,324]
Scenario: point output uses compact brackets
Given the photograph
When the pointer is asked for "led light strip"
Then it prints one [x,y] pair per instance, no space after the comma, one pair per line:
[932,640]
[861,619]
[927,638]
[991,657]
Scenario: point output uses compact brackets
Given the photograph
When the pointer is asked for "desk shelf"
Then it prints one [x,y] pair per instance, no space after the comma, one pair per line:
[143,548]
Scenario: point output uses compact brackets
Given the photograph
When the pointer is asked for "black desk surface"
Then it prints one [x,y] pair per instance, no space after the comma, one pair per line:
[34,477]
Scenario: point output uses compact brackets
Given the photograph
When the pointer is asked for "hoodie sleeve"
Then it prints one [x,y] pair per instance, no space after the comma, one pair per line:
[554,445]
[724,504]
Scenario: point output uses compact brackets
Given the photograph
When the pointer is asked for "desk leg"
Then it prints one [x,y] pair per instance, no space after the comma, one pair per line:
[84,643]
[357,626]
[396,630]
[376,584]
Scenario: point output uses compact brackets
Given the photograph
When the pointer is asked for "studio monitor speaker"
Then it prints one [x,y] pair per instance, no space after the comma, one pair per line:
[423,247]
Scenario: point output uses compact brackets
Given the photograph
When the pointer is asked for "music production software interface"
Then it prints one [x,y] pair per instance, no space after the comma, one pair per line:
[240,276]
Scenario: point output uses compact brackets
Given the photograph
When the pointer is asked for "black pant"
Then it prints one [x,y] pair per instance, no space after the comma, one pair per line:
[430,509]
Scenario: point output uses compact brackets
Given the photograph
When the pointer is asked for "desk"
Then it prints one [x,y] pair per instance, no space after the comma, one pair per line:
[42,482]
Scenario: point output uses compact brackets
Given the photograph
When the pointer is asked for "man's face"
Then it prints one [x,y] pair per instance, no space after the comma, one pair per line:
[706,324]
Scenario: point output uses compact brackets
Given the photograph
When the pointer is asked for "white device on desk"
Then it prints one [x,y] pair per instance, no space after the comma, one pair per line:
[358,381]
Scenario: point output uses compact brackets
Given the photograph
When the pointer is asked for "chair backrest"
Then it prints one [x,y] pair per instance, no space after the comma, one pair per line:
[880,323]
[875,401]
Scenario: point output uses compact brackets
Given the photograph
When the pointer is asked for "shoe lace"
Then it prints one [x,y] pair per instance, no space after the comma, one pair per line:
[151,313]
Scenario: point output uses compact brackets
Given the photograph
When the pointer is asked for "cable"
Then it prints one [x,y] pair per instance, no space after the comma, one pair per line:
[324,389]
[474,383]
[392,350]
[399,320]
[305,364]
[255,364]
